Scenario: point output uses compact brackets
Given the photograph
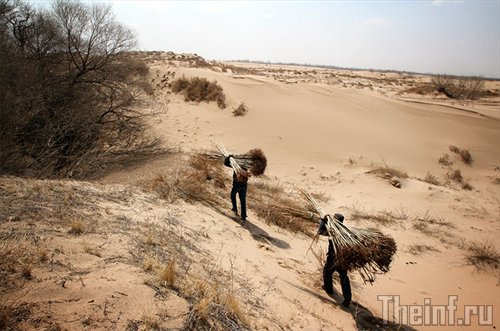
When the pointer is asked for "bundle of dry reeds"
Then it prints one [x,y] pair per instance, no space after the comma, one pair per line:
[367,250]
[252,163]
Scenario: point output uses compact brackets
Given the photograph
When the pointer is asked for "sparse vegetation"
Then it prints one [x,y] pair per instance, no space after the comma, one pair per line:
[453,87]
[431,179]
[167,273]
[205,181]
[445,160]
[482,255]
[241,110]
[199,89]
[456,176]
[418,249]
[387,172]
[76,227]
[383,217]
[464,154]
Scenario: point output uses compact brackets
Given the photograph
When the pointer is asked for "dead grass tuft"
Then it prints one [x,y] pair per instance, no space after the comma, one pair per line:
[482,255]
[384,217]
[167,273]
[445,160]
[389,173]
[76,227]
[464,154]
[431,179]
[216,307]
[242,110]
[418,249]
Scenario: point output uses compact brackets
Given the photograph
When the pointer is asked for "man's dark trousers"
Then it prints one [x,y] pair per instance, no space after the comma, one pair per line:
[328,271]
[241,189]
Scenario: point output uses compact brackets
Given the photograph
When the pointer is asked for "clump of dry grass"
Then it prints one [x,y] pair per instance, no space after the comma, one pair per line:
[456,176]
[167,273]
[76,227]
[242,110]
[199,89]
[482,255]
[390,173]
[384,217]
[464,154]
[418,249]
[215,308]
[445,160]
[431,179]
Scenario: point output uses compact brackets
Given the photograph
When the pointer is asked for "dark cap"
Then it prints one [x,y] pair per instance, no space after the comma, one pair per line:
[339,217]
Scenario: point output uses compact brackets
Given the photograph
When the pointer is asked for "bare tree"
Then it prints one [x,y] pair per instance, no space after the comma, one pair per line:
[69,90]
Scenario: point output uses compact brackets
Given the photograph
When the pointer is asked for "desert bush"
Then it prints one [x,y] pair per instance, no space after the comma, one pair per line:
[459,87]
[455,175]
[241,110]
[68,90]
[387,172]
[431,179]
[445,160]
[199,89]
[464,154]
[418,249]
[482,255]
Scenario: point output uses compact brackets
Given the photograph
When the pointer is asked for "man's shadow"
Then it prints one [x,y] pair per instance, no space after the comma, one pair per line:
[364,318]
[257,233]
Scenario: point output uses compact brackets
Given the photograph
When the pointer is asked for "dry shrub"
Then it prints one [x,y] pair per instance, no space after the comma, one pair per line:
[418,249]
[76,227]
[387,172]
[242,110]
[431,179]
[482,255]
[455,87]
[464,154]
[216,307]
[199,89]
[445,160]
[167,273]
[383,217]
[455,175]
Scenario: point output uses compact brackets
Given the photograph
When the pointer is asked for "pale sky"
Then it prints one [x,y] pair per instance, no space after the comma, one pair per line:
[444,37]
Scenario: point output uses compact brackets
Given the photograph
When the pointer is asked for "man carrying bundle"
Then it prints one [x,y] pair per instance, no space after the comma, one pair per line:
[239,186]
[330,265]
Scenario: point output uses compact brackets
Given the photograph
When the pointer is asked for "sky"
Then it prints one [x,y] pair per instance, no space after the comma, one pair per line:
[440,37]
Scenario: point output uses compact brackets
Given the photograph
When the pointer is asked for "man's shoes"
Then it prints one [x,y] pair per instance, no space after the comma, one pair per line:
[327,292]
[235,211]
[346,304]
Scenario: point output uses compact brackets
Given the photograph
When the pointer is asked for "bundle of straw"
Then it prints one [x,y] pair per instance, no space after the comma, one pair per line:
[367,250]
[254,162]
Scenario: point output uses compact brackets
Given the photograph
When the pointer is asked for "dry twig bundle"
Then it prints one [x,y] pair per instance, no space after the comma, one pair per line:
[254,162]
[367,250]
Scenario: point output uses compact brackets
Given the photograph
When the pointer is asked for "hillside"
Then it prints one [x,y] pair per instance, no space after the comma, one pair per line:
[117,252]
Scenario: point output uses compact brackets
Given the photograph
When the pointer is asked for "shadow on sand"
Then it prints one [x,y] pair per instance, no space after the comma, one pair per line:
[364,318]
[257,233]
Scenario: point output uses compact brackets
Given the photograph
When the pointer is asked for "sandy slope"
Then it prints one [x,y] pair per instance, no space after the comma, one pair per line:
[325,138]
[319,136]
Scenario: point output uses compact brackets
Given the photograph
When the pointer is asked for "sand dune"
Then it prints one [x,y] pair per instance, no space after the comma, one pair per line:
[322,130]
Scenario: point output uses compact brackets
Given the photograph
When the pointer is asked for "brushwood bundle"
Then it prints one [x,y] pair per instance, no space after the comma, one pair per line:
[253,162]
[368,251]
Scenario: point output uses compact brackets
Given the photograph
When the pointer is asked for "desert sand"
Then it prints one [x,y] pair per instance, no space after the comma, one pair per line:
[322,130]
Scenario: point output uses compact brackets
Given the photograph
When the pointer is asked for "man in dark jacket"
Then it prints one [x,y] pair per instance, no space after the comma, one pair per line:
[240,187]
[330,266]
